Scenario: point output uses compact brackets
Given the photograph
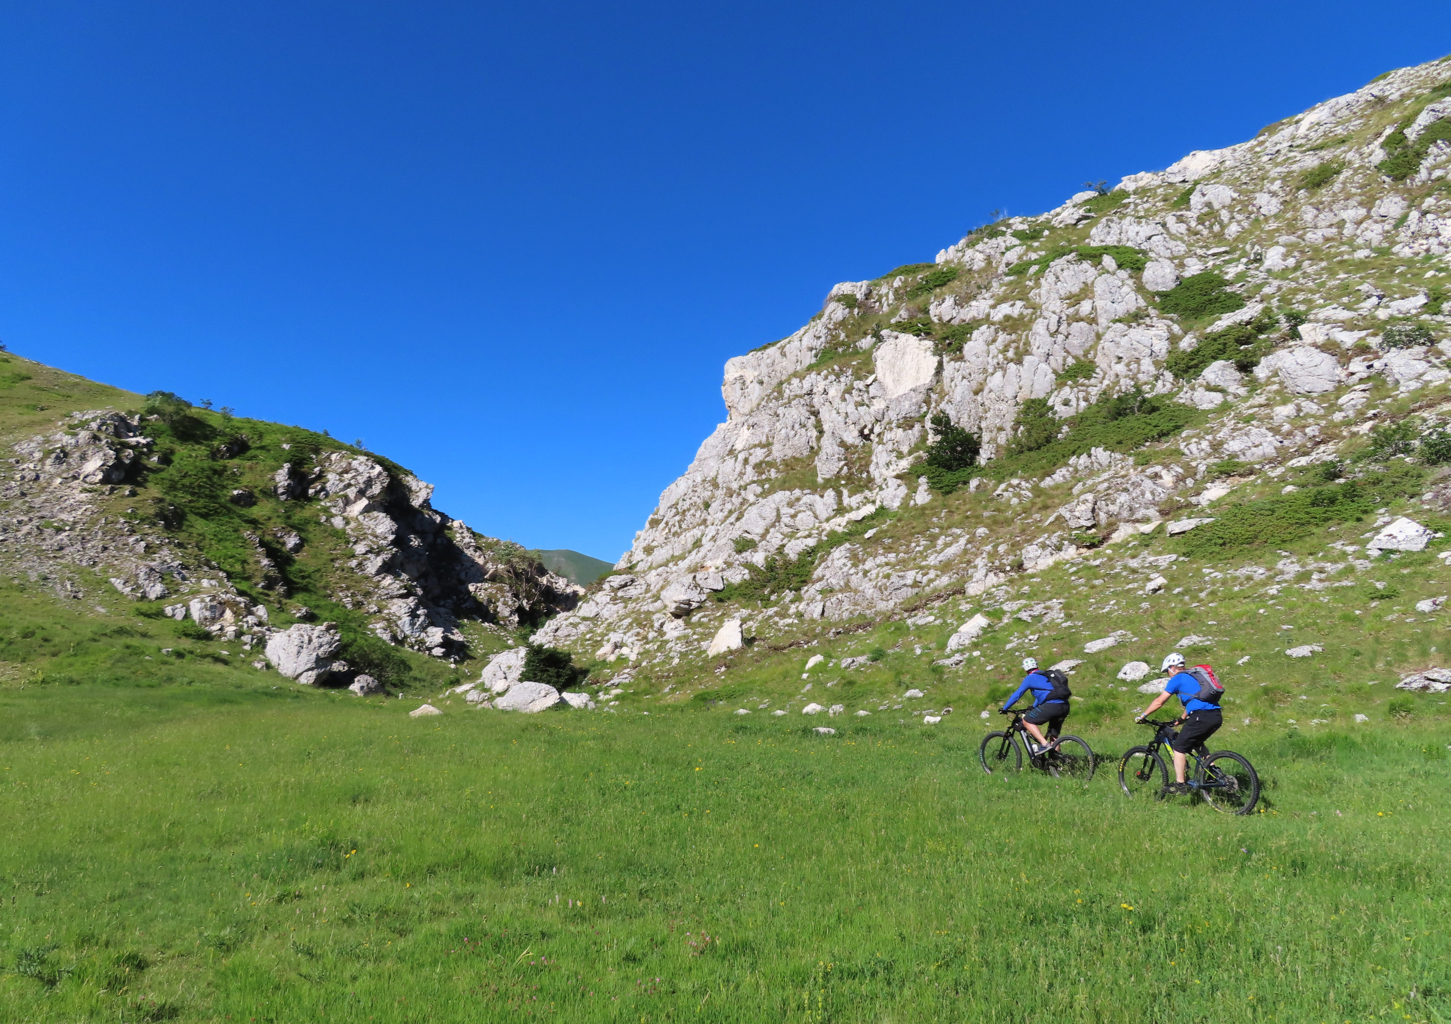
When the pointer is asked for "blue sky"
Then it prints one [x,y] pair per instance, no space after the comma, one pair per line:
[511,246]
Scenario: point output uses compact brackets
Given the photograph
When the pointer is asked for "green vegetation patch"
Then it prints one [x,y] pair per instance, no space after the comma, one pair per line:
[1079,369]
[1104,202]
[1127,257]
[782,574]
[1403,156]
[1320,175]
[1276,521]
[951,455]
[1200,295]
[1243,344]
[934,279]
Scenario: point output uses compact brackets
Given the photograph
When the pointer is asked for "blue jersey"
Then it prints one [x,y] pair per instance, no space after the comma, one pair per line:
[1184,686]
[1040,687]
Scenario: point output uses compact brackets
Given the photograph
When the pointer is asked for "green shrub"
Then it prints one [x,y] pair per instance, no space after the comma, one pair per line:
[552,666]
[876,654]
[1329,472]
[1435,447]
[1127,257]
[1079,369]
[1200,295]
[1404,157]
[1240,343]
[1181,201]
[744,544]
[1031,233]
[780,574]
[1320,175]
[165,406]
[1037,427]
[1294,319]
[1401,707]
[1406,335]
[951,456]
[1392,439]
[846,299]
[950,336]
[1230,467]
[907,270]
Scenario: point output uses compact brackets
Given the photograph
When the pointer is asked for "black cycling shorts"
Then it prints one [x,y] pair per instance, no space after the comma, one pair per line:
[1051,715]
[1199,727]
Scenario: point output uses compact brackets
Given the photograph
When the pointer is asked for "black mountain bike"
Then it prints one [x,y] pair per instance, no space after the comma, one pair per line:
[1003,752]
[1225,780]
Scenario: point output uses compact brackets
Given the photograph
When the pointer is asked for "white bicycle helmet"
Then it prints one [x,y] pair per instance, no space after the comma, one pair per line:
[1031,664]
[1174,660]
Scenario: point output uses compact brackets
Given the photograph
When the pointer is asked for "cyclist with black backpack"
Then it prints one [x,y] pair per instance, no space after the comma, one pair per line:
[1049,688]
[1199,690]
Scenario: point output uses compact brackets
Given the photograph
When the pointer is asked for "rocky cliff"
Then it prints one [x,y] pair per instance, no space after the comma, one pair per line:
[243,528]
[1135,355]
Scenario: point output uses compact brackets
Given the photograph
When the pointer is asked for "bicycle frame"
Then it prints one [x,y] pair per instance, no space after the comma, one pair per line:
[1192,779]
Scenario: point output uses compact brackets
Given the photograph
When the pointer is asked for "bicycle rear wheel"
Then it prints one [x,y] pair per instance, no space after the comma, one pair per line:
[1000,753]
[1072,760]
[1141,772]
[1228,783]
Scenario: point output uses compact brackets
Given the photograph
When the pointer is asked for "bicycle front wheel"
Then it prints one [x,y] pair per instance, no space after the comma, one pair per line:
[1141,772]
[1073,760]
[1228,783]
[1000,753]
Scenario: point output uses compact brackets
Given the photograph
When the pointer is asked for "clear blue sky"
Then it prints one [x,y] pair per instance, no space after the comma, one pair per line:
[511,245]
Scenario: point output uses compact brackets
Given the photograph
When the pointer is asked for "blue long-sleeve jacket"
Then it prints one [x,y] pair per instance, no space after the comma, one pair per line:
[1040,687]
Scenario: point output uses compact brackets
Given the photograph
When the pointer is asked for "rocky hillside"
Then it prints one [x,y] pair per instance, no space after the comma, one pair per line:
[240,529]
[1249,346]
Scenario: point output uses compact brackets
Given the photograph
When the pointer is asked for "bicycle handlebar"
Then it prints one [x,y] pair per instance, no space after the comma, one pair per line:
[1156,724]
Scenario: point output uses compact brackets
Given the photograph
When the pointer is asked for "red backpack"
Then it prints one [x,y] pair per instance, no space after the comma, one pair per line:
[1210,688]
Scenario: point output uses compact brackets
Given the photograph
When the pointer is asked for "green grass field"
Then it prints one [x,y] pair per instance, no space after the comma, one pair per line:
[237,852]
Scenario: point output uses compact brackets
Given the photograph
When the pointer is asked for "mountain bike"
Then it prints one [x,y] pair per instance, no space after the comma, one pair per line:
[1002,752]
[1225,780]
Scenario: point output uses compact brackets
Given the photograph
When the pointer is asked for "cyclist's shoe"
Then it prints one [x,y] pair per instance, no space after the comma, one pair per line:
[1176,789]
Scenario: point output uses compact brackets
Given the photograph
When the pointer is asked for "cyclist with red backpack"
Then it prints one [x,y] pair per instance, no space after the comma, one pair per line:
[1050,703]
[1199,691]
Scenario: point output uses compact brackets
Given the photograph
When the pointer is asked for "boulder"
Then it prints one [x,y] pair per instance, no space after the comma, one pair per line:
[814,660]
[913,694]
[1104,643]
[1402,535]
[1302,369]
[1223,374]
[836,709]
[304,652]
[1081,513]
[530,698]
[777,713]
[742,711]
[904,362]
[503,670]
[477,697]
[1160,276]
[683,596]
[967,632]
[578,700]
[1431,604]
[1155,585]
[822,730]
[1194,640]
[424,711]
[1184,526]
[1432,680]
[812,709]
[365,685]
[1303,651]
[728,638]
[1134,671]
[931,719]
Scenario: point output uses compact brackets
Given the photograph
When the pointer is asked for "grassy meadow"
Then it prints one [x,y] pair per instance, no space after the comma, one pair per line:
[239,852]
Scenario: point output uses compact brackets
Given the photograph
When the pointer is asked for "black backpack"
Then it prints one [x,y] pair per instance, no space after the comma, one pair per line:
[1060,684]
[1210,688]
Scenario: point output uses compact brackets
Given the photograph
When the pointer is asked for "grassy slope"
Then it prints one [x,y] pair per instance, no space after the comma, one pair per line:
[574,566]
[214,852]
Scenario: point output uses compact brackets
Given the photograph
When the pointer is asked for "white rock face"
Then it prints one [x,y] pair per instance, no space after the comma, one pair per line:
[577,700]
[503,670]
[1133,671]
[931,719]
[304,652]
[1304,651]
[424,711]
[904,362]
[1222,373]
[530,698]
[1401,535]
[1104,643]
[913,694]
[728,638]
[1152,686]
[968,632]
[1155,585]
[1302,369]
[1160,276]
[813,661]
[1184,526]
[1431,604]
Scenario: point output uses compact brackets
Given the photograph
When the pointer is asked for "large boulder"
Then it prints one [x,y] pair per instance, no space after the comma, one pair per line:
[1402,535]
[304,652]
[530,698]
[968,632]
[1302,369]
[727,638]
[683,596]
[365,685]
[503,670]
